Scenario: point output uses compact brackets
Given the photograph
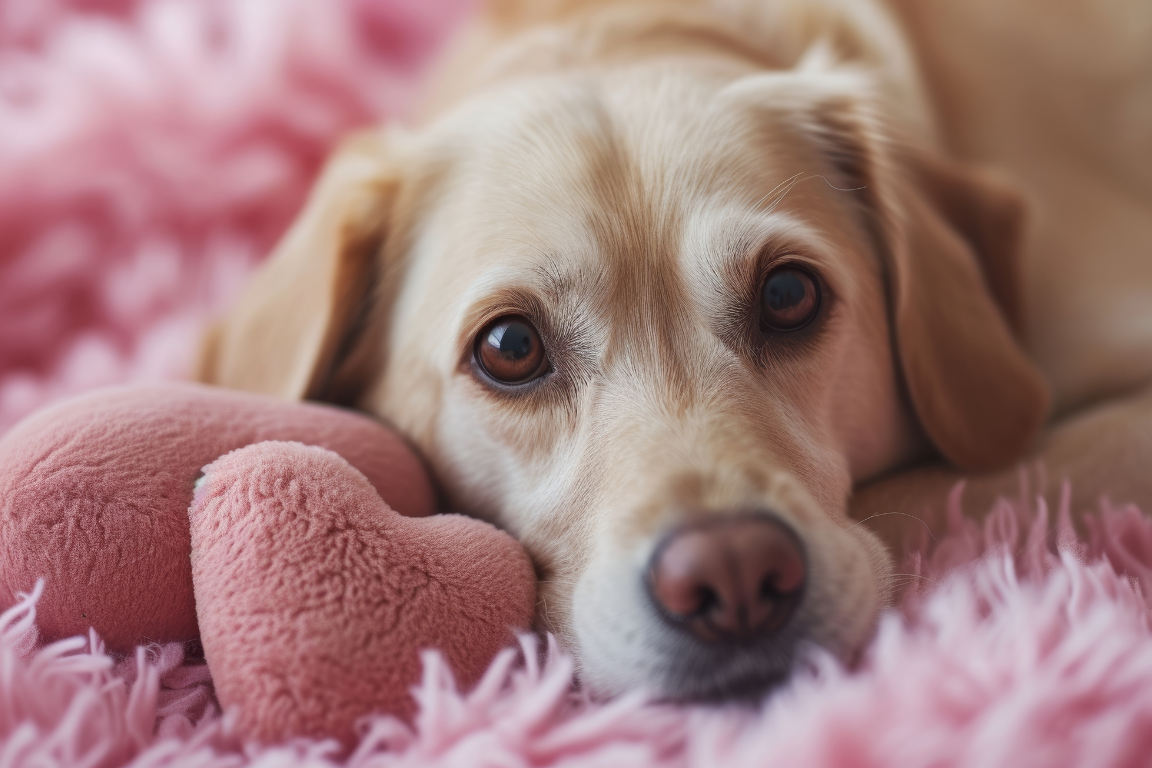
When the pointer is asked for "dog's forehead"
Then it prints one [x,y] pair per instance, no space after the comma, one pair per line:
[656,136]
[572,179]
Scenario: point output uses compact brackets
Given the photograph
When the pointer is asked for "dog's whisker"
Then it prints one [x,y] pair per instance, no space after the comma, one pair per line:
[838,189]
[544,617]
[775,189]
[901,514]
[788,185]
[531,246]
[792,182]
[913,576]
[530,231]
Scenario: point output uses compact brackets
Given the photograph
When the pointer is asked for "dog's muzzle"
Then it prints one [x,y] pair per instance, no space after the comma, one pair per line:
[731,584]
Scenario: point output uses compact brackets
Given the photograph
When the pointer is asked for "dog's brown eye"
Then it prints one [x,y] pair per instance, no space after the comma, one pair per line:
[510,351]
[789,300]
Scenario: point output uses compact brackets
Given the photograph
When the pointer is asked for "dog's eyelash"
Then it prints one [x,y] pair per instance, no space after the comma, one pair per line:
[739,327]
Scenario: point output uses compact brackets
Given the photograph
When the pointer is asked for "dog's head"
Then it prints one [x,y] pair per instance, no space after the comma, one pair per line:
[656,323]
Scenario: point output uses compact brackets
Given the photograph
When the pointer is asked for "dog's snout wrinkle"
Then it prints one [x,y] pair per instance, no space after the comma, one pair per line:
[734,578]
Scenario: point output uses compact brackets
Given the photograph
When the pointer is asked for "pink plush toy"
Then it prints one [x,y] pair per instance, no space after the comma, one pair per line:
[303,558]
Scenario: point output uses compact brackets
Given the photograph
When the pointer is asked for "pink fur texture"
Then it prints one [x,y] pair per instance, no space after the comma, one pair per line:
[151,151]
[1023,657]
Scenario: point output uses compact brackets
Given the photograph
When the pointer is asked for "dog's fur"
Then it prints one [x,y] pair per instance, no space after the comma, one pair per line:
[624,172]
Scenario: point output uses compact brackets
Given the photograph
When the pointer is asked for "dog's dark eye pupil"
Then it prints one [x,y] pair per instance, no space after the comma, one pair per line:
[509,350]
[790,299]
[512,339]
[784,292]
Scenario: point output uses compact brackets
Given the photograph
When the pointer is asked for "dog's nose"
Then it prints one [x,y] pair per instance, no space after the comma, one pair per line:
[730,577]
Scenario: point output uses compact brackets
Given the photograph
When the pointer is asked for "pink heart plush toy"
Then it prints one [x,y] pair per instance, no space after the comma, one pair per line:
[294,540]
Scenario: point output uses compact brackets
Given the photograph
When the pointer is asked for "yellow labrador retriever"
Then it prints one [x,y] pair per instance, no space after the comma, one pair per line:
[668,289]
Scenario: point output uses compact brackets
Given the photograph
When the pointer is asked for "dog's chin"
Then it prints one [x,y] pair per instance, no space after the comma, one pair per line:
[729,672]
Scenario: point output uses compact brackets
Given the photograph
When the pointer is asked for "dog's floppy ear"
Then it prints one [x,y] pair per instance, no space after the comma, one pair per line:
[301,328]
[951,241]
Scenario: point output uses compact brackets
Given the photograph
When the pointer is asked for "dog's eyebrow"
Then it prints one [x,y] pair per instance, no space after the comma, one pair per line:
[557,281]
[553,282]
[548,283]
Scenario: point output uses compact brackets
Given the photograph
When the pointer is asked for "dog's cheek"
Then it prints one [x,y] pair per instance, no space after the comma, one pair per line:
[850,574]
[478,474]
[880,562]
[614,627]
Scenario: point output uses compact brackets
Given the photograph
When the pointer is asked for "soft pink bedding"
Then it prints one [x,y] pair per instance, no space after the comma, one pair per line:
[1003,654]
[150,153]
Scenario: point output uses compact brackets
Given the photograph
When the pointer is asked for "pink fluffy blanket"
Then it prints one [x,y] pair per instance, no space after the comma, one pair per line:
[150,153]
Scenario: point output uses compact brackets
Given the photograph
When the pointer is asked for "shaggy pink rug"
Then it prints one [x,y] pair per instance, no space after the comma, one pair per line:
[1012,655]
[150,153]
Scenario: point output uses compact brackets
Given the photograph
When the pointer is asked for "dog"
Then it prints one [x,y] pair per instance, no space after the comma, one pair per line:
[682,292]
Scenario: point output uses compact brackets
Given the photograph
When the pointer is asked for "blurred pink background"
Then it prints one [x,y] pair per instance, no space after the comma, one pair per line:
[151,152]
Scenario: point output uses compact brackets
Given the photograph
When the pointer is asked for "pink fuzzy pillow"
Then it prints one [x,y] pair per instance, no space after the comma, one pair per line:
[311,596]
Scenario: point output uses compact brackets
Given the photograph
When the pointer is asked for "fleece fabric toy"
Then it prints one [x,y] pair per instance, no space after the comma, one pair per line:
[295,541]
